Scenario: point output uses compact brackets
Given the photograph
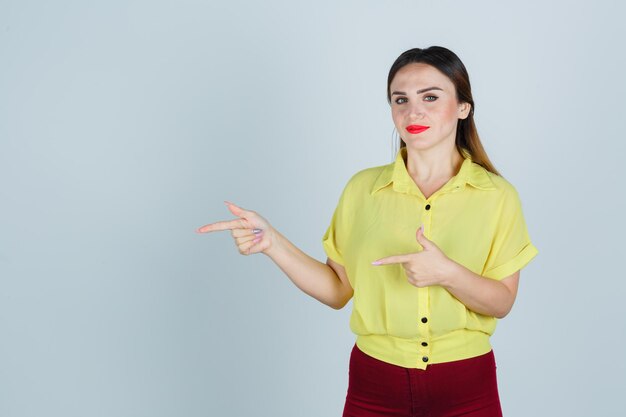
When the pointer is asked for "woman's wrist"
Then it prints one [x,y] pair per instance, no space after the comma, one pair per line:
[450,273]
[276,243]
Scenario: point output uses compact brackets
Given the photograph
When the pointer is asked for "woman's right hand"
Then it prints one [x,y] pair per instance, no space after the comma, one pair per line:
[252,233]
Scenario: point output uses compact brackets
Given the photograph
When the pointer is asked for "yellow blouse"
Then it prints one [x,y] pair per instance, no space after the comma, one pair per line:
[476,219]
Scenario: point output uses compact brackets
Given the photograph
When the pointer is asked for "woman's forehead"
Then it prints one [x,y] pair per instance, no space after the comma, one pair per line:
[419,75]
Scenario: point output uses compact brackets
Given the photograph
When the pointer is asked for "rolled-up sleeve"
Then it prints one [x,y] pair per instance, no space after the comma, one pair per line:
[336,234]
[511,248]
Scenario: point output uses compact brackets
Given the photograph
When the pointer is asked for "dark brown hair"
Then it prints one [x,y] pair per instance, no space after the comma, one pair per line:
[451,66]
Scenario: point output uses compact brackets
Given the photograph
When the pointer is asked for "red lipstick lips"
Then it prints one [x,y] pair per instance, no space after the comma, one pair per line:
[413,129]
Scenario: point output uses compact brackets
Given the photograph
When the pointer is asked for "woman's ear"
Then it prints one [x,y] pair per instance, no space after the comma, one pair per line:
[464,110]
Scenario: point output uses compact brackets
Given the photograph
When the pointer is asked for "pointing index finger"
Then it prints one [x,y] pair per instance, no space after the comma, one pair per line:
[223,225]
[396,259]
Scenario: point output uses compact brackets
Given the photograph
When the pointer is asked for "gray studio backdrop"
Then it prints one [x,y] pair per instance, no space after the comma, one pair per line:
[125,124]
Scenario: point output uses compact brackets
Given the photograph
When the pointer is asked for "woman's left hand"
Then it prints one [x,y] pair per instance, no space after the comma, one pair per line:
[428,267]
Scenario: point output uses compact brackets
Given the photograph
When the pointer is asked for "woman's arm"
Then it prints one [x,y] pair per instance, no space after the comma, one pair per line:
[483,295]
[326,283]
[432,267]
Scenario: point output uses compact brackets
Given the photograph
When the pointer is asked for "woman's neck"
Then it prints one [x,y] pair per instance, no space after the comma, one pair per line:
[432,166]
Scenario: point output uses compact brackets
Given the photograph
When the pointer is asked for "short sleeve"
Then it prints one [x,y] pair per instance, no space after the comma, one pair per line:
[511,248]
[336,235]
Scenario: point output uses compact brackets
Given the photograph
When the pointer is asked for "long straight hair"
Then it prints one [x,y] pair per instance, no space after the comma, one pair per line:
[447,62]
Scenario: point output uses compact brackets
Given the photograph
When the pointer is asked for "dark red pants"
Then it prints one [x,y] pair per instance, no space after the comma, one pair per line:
[461,388]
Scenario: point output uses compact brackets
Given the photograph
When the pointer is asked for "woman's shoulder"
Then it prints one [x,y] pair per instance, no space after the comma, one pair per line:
[504,187]
[365,178]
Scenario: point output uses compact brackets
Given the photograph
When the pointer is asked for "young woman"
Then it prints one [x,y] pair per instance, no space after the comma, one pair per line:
[429,247]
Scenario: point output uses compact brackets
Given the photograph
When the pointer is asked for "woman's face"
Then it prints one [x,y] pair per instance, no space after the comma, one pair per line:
[423,96]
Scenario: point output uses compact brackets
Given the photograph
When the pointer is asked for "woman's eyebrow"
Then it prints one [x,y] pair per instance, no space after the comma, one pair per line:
[423,90]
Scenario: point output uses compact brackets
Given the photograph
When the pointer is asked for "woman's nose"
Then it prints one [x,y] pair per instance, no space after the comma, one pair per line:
[416,110]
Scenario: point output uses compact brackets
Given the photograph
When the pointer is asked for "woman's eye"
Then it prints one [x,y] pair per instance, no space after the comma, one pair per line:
[401,100]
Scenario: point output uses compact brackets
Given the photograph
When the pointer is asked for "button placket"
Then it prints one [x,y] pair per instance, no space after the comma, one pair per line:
[426,214]
[423,348]
[423,326]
